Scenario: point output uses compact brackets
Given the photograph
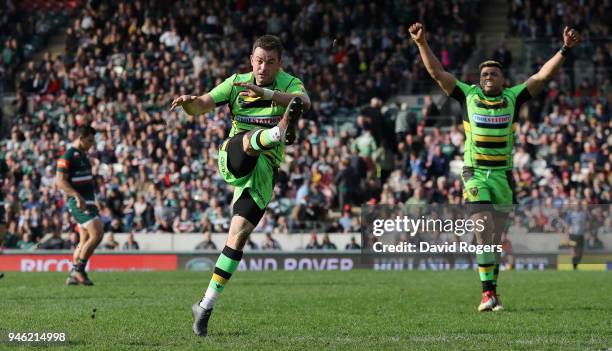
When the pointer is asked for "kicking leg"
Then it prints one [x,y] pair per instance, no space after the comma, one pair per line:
[258,140]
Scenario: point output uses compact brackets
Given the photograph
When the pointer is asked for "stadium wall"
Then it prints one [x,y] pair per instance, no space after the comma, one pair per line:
[60,261]
[521,243]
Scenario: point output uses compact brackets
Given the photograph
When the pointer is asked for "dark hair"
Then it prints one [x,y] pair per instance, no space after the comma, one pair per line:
[84,131]
[491,63]
[269,42]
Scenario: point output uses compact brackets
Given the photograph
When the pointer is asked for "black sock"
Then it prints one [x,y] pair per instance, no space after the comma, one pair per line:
[487,285]
[81,264]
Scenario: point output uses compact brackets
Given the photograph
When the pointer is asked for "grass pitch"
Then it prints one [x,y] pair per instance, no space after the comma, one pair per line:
[356,310]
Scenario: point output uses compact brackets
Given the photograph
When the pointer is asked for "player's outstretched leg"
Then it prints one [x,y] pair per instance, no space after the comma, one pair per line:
[259,139]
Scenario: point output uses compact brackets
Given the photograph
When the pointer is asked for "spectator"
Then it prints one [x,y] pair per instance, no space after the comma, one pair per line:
[170,38]
[152,165]
[26,242]
[131,244]
[327,244]
[352,245]
[109,242]
[183,224]
[207,243]
[53,241]
[313,244]
[430,111]
[11,237]
[251,244]
[270,243]
[346,222]
[503,56]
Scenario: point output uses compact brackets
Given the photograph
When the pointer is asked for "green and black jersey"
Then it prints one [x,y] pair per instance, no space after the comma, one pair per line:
[76,164]
[489,124]
[248,113]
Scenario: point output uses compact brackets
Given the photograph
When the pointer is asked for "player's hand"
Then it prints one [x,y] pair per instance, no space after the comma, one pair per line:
[81,204]
[417,32]
[183,101]
[252,90]
[571,37]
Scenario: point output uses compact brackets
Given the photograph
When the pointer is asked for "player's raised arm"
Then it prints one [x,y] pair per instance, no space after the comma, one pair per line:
[194,105]
[445,80]
[536,82]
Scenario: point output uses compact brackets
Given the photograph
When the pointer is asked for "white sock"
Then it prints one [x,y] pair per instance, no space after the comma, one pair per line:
[275,133]
[209,299]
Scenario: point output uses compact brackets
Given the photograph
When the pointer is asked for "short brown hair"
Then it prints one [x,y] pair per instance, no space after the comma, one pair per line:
[269,42]
[490,63]
[85,131]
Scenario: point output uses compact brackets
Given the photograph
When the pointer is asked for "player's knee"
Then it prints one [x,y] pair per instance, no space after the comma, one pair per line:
[247,146]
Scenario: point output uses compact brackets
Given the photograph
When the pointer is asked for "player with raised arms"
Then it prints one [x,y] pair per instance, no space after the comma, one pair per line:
[490,119]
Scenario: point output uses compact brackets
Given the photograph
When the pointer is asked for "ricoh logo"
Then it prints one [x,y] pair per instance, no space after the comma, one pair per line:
[45,265]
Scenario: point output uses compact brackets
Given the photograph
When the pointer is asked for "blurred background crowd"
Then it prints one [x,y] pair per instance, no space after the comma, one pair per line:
[125,61]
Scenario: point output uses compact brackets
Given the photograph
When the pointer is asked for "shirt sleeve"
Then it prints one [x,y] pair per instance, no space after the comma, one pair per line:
[63,164]
[296,87]
[460,92]
[221,93]
[521,93]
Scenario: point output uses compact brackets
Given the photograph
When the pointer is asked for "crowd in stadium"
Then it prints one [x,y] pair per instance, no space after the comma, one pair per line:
[157,170]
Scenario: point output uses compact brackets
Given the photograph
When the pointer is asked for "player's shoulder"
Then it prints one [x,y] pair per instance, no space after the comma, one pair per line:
[467,89]
[70,152]
[283,77]
[242,77]
[289,83]
[515,90]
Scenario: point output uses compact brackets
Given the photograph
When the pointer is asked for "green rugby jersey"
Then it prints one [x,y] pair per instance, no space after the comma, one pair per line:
[489,124]
[76,164]
[248,113]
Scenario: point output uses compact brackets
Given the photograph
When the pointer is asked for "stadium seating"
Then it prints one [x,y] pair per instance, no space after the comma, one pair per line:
[152,165]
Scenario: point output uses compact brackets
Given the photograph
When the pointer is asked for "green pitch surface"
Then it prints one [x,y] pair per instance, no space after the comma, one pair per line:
[357,310]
